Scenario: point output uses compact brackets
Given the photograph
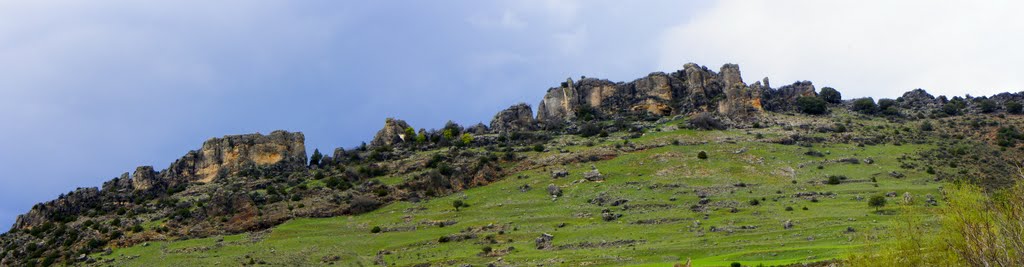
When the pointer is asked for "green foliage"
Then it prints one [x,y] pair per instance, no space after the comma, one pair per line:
[865,105]
[586,113]
[830,95]
[315,159]
[876,201]
[926,126]
[1014,107]
[538,148]
[458,204]
[986,105]
[448,134]
[590,129]
[376,229]
[702,155]
[835,179]
[1008,136]
[410,134]
[466,139]
[811,105]
[736,264]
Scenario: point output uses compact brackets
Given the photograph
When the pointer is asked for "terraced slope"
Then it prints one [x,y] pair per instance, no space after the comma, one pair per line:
[655,206]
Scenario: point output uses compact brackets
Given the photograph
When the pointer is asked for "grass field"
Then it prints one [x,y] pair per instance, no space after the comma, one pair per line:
[658,225]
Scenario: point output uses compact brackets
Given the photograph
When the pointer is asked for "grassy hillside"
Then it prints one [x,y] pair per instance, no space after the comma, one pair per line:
[752,188]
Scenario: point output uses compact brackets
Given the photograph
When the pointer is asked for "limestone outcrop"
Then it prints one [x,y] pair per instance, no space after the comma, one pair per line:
[220,157]
[392,133]
[518,117]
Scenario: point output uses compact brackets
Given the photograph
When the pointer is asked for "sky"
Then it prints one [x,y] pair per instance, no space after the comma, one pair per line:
[92,89]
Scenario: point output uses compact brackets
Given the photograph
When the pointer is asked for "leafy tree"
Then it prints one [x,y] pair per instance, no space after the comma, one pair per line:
[830,95]
[315,159]
[422,138]
[466,139]
[877,202]
[458,204]
[448,134]
[410,133]
[865,105]
[986,105]
[811,105]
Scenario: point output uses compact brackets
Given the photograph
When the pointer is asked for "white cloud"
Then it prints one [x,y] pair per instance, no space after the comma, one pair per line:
[863,48]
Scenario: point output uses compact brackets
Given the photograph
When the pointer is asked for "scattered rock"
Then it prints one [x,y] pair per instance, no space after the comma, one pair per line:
[554,191]
[788,224]
[559,173]
[895,174]
[593,175]
[544,241]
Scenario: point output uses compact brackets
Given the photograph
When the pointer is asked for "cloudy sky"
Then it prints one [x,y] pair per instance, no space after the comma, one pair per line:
[91,89]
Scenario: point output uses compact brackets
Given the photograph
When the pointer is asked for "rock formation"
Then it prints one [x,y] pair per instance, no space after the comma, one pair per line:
[518,117]
[219,157]
[693,89]
[392,133]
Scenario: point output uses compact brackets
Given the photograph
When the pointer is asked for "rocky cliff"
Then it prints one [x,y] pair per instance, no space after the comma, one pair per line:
[693,89]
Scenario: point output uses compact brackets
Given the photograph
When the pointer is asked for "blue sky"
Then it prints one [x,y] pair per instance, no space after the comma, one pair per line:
[91,89]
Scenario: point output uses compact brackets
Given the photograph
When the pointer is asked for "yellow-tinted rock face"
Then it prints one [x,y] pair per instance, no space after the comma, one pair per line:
[230,154]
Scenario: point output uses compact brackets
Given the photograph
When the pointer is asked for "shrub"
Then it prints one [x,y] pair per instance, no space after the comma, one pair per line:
[986,105]
[702,155]
[705,121]
[466,139]
[736,264]
[376,229]
[926,126]
[789,208]
[830,95]
[1014,107]
[458,204]
[538,148]
[877,201]
[835,179]
[865,105]
[487,249]
[811,105]
[443,239]
[590,129]
[754,202]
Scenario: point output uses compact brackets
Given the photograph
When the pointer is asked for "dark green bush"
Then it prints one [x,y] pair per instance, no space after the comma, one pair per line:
[811,105]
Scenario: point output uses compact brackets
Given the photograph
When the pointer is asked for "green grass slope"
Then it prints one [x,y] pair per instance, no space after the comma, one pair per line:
[658,226]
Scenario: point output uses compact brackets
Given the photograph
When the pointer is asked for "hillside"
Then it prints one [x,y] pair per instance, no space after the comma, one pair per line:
[606,173]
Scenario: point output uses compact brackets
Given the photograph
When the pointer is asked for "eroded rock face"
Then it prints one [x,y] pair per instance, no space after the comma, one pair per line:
[691,90]
[784,98]
[219,157]
[145,179]
[515,118]
[392,133]
[76,202]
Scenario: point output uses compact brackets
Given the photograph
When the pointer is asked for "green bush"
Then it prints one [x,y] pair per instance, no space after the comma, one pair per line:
[376,229]
[702,155]
[1014,107]
[830,95]
[865,105]
[811,105]
[877,202]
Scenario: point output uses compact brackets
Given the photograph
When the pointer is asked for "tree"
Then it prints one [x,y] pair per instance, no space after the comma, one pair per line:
[876,202]
[1014,107]
[410,134]
[811,105]
[448,134]
[466,139]
[315,159]
[831,95]
[458,204]
[986,105]
[865,105]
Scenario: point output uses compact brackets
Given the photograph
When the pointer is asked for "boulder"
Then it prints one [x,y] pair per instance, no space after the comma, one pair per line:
[544,241]
[554,190]
[518,117]
[392,133]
